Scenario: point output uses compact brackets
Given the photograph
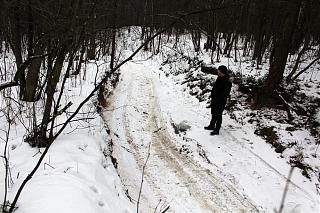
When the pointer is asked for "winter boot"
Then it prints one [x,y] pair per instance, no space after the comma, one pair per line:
[214,132]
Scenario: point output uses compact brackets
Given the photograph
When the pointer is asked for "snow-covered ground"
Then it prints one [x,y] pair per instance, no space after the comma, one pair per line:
[77,174]
[191,171]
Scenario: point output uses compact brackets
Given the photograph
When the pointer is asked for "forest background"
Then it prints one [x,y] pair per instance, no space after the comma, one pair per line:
[43,35]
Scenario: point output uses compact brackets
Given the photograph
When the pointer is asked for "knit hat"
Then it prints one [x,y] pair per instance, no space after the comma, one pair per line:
[223,69]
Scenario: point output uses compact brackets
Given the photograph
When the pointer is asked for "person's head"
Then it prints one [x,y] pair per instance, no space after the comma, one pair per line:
[222,70]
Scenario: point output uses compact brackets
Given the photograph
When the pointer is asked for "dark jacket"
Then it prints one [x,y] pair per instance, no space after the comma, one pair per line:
[220,92]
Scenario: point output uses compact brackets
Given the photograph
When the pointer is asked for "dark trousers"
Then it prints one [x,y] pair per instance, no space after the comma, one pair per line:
[216,119]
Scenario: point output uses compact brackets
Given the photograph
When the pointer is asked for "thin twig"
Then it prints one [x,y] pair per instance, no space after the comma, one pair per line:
[155,209]
[57,113]
[46,164]
[80,119]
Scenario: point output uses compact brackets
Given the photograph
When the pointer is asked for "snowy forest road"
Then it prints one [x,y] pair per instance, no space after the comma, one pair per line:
[140,138]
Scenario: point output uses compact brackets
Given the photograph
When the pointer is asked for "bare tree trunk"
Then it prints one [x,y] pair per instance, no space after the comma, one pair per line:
[159,44]
[281,47]
[228,40]
[245,47]
[91,54]
[218,52]
[81,60]
[230,46]
[196,36]
[265,43]
[16,44]
[235,49]
[294,69]
[257,52]
[114,33]
[91,49]
[53,79]
[32,78]
[113,48]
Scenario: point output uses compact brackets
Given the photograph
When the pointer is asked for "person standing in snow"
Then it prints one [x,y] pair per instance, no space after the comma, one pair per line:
[219,94]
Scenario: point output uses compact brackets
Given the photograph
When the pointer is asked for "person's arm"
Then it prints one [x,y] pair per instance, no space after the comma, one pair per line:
[225,91]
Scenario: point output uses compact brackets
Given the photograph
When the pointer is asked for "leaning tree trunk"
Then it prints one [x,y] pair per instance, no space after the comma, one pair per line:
[305,69]
[298,60]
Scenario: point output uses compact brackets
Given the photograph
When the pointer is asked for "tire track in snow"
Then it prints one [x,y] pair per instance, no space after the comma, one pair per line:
[177,178]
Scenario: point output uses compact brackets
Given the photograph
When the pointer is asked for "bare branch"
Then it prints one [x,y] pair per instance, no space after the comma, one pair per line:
[80,119]
[25,64]
[21,69]
[287,106]
[8,84]
[60,111]
[305,69]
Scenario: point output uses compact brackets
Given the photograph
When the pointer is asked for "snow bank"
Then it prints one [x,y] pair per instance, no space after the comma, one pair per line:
[77,174]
